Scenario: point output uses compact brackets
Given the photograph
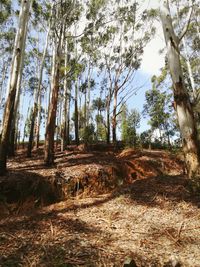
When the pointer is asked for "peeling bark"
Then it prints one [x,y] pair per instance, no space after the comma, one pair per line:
[181,98]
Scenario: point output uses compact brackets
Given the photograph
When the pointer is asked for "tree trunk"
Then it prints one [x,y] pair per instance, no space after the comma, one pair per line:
[31,136]
[15,68]
[87,118]
[181,98]
[11,151]
[4,72]
[114,119]
[68,115]
[50,129]
[108,124]
[39,90]
[64,111]
[76,124]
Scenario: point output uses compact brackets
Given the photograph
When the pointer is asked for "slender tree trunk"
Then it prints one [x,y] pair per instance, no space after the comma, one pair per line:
[189,67]
[64,112]
[68,115]
[108,123]
[33,117]
[37,138]
[76,124]
[114,119]
[88,95]
[4,71]
[182,103]
[15,68]
[50,129]
[85,108]
[11,151]
[37,133]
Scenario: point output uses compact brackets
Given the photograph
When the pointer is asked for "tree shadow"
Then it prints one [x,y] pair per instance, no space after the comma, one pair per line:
[155,191]
[22,191]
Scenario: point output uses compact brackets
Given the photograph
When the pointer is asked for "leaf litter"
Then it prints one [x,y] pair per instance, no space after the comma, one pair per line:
[98,208]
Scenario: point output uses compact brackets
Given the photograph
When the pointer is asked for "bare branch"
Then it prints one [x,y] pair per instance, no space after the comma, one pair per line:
[185,29]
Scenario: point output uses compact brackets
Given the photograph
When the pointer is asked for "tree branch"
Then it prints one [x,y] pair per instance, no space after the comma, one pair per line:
[185,29]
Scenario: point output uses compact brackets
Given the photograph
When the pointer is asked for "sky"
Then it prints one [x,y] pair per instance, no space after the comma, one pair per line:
[152,62]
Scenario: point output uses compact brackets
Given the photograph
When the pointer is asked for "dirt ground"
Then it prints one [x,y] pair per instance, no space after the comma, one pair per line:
[98,208]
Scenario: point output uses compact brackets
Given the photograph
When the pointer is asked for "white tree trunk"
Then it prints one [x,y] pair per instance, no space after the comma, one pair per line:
[182,103]
[39,89]
[65,101]
[15,68]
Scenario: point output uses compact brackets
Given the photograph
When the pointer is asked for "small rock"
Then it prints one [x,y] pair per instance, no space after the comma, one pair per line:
[129,263]
[173,262]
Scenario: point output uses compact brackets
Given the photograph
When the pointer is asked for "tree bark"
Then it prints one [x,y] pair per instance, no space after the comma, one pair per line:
[31,136]
[9,108]
[76,124]
[114,118]
[68,115]
[108,124]
[181,98]
[50,128]
[64,111]
[37,138]
[11,151]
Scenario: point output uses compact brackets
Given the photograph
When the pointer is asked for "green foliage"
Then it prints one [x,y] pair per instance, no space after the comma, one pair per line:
[94,7]
[145,138]
[129,125]
[98,104]
[5,10]
[158,106]
[87,133]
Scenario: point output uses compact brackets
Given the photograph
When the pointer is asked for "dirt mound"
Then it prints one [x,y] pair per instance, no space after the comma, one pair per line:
[145,164]
[79,174]
[22,191]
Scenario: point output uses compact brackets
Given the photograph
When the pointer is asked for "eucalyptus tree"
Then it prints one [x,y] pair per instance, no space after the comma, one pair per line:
[40,13]
[66,96]
[65,13]
[18,52]
[124,41]
[7,36]
[158,107]
[182,102]
[90,44]
[99,105]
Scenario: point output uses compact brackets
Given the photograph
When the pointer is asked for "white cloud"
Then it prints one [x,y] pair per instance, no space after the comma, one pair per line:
[152,60]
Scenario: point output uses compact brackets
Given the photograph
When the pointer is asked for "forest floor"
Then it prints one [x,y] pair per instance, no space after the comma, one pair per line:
[98,208]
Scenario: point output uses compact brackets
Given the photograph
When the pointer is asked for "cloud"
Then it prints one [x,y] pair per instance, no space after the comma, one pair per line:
[152,61]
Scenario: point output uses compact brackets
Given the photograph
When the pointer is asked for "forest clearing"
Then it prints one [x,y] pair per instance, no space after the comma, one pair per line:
[117,206]
[99,133]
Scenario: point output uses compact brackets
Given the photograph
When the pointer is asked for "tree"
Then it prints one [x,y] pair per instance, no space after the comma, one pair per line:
[159,108]
[37,91]
[16,61]
[50,128]
[183,106]
[124,43]
[129,125]
[99,105]
[65,14]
